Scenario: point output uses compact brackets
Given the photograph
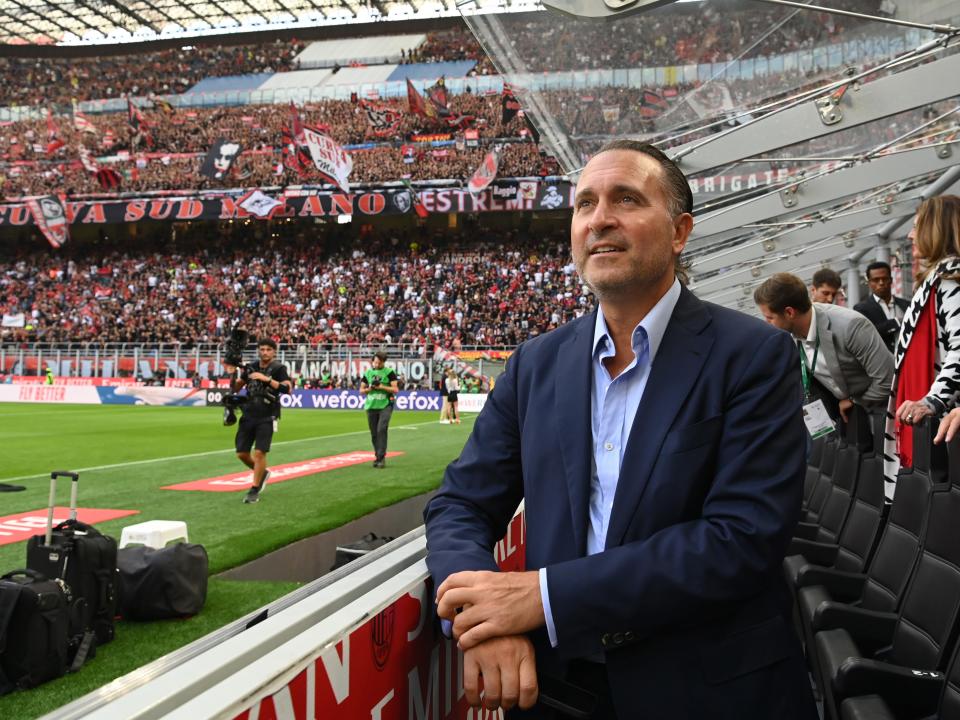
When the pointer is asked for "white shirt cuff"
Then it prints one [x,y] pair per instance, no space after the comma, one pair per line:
[547,613]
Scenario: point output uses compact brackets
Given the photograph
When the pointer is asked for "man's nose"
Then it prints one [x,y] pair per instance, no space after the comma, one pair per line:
[601,218]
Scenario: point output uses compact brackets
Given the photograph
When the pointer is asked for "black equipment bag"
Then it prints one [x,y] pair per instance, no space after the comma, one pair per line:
[158,584]
[351,551]
[33,630]
[86,561]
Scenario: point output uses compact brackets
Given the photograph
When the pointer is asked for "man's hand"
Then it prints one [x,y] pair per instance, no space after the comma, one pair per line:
[949,426]
[494,604]
[846,405]
[260,376]
[508,668]
[911,413]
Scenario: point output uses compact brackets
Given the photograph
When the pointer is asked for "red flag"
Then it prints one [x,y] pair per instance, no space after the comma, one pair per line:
[417,104]
[54,143]
[485,174]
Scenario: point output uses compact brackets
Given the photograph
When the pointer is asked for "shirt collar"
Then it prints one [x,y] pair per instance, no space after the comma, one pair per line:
[654,324]
[881,301]
[812,332]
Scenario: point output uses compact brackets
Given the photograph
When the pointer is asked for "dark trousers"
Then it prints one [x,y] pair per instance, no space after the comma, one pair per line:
[379,421]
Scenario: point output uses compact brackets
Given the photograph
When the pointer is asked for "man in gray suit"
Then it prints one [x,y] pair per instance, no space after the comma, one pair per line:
[840,348]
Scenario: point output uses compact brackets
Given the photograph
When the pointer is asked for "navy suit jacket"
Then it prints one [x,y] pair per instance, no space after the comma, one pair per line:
[687,602]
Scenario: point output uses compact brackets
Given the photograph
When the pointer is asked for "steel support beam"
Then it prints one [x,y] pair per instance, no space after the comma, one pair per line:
[828,250]
[887,96]
[803,196]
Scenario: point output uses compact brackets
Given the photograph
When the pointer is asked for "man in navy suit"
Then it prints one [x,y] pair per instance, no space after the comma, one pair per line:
[658,446]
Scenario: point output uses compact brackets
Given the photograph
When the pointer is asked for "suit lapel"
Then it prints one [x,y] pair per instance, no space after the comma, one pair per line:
[680,359]
[572,389]
[828,351]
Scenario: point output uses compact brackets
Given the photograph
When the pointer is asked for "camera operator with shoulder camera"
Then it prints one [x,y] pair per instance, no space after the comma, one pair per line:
[265,382]
[379,385]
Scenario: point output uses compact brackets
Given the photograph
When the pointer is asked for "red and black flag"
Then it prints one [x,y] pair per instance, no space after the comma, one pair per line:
[531,128]
[107,178]
[416,103]
[134,117]
[50,216]
[437,94]
[384,120]
[509,104]
[652,104]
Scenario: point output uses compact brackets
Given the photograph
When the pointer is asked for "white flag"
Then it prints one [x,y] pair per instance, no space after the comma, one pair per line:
[258,203]
[330,159]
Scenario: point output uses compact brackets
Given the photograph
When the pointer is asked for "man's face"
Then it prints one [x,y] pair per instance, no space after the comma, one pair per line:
[266,354]
[377,363]
[824,293]
[880,282]
[623,237]
[784,320]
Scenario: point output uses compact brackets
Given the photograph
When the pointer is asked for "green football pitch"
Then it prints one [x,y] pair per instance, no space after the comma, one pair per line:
[125,454]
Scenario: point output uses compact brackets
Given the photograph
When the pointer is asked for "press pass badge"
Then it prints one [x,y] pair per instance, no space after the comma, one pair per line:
[817,420]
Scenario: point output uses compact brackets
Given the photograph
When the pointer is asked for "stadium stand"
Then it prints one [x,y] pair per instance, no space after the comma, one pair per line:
[237,82]
[295,79]
[432,70]
[365,50]
[455,289]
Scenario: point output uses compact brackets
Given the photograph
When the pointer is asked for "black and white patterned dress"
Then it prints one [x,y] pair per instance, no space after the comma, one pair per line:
[945,390]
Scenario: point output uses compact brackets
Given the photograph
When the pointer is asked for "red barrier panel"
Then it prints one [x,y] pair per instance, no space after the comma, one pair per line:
[395,666]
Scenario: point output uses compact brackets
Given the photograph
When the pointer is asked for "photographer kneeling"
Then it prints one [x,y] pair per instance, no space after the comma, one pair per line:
[379,385]
[265,382]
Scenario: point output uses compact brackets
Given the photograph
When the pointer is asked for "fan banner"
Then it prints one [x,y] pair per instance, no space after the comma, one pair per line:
[329,158]
[531,195]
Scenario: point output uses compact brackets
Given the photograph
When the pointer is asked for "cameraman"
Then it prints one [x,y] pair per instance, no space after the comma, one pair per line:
[379,384]
[265,382]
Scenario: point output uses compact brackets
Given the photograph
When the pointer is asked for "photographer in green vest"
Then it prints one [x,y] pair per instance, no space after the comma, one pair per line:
[379,385]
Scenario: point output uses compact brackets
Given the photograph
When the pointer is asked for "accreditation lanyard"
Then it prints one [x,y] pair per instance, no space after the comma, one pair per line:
[807,372]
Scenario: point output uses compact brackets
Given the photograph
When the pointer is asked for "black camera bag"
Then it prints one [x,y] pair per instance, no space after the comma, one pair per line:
[34,620]
[84,558]
[158,584]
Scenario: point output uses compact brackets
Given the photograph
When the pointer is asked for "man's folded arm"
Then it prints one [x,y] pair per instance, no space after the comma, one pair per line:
[689,571]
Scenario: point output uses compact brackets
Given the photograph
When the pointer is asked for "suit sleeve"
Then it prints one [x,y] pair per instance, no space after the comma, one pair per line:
[866,345]
[481,489]
[695,569]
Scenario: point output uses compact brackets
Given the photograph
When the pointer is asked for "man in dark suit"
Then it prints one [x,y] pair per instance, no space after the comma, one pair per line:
[883,309]
[658,447]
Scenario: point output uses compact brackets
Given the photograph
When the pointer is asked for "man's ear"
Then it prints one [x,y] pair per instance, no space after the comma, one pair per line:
[682,225]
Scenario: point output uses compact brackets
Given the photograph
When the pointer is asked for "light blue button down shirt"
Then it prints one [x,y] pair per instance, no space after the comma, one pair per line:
[613,405]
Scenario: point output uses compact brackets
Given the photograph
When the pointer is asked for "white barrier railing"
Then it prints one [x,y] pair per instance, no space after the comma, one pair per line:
[359,643]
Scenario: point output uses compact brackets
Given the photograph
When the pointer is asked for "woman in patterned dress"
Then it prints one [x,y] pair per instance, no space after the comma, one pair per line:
[927,356]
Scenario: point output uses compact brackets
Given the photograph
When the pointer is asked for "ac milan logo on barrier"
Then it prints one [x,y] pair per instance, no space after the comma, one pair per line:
[382,636]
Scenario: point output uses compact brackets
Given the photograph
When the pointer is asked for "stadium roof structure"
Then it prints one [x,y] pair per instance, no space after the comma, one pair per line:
[800,156]
[110,22]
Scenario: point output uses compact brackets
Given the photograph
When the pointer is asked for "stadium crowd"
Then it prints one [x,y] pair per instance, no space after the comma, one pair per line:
[478,288]
[670,36]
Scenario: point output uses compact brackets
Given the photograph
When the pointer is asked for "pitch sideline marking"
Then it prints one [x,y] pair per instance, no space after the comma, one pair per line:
[208,453]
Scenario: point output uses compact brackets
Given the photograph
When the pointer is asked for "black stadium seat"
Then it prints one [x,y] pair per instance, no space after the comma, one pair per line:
[813,464]
[829,598]
[821,488]
[859,516]
[875,649]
